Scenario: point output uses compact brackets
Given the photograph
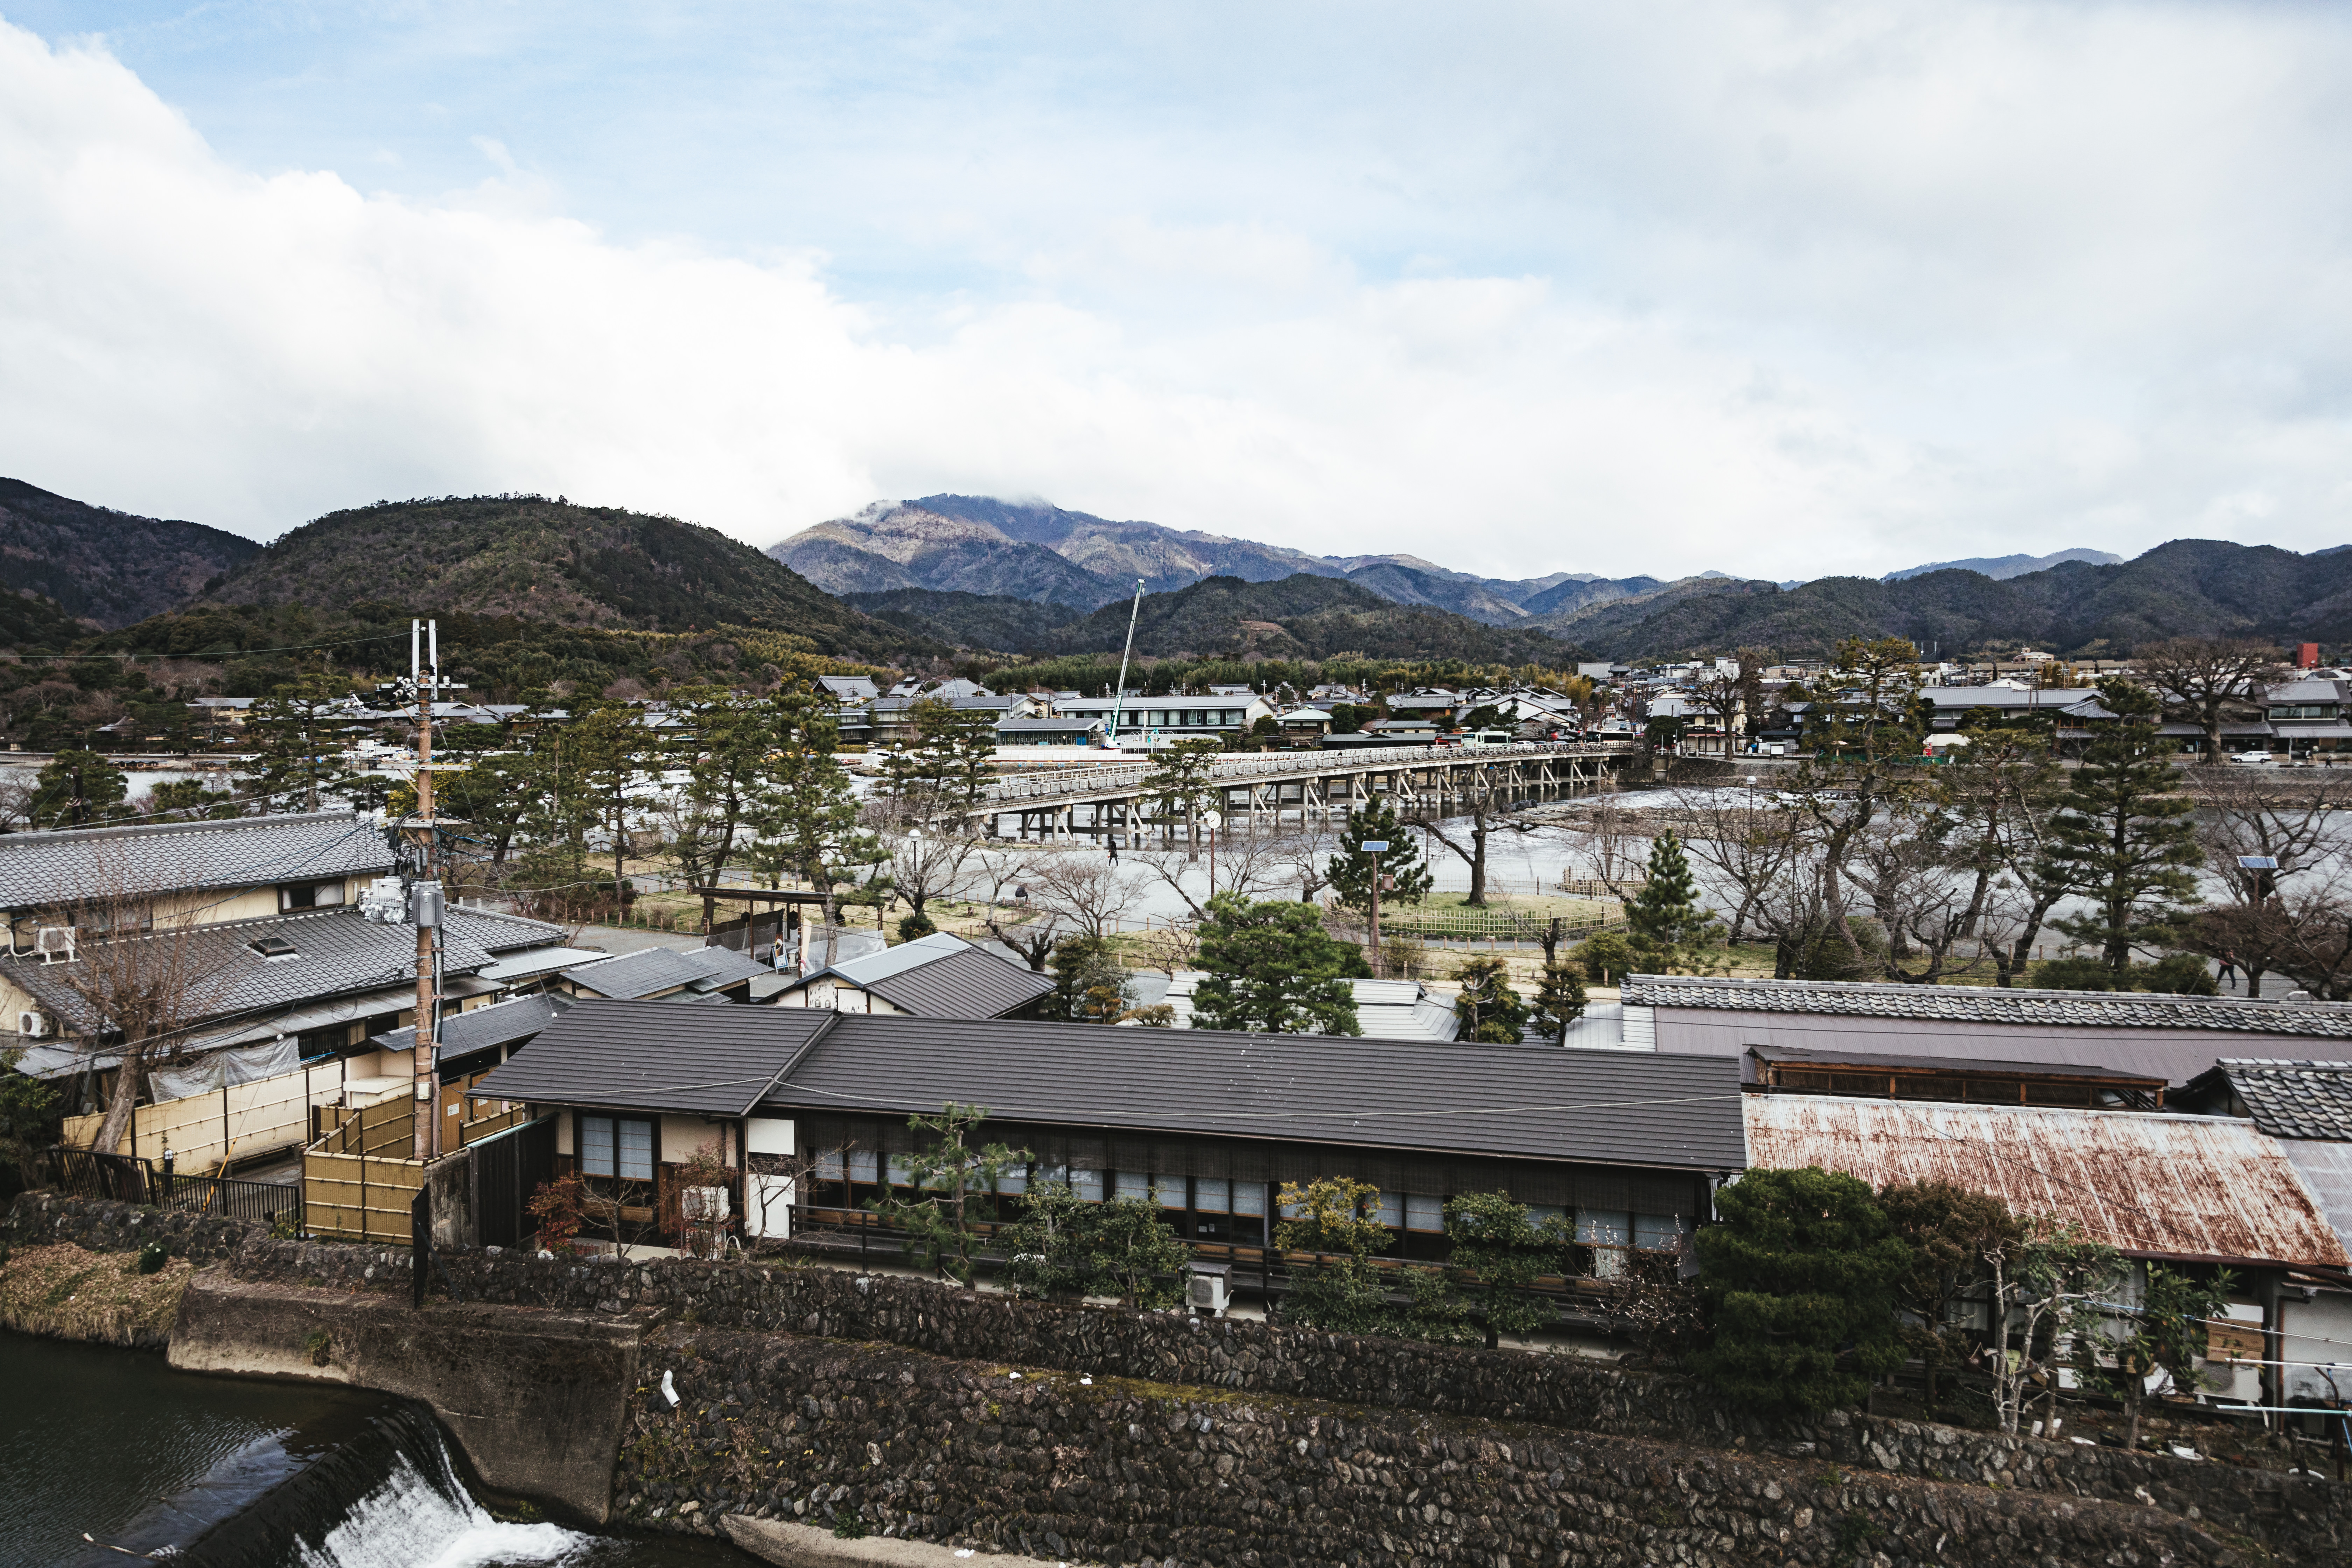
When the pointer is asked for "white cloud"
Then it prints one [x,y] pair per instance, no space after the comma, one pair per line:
[1806,290]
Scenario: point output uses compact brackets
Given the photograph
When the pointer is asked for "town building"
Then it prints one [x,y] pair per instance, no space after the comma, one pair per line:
[936,976]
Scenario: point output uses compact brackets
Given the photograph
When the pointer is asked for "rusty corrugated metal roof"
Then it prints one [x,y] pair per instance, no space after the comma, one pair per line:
[2157,1185]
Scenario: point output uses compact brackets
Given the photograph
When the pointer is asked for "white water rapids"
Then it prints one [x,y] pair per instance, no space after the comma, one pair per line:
[413,1521]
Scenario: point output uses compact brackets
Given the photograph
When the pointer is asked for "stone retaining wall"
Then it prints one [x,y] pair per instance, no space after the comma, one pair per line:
[1235,1358]
[1112,1470]
[36,1219]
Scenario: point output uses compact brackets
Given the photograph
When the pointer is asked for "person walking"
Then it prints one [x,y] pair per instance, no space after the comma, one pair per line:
[2229,973]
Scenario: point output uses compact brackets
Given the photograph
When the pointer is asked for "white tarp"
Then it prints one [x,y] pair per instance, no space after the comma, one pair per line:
[227,1068]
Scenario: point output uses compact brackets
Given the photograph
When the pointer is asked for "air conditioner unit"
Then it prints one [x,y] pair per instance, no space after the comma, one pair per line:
[55,944]
[32,1026]
[1208,1289]
[384,902]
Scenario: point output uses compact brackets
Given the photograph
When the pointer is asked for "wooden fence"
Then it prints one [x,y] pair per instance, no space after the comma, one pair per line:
[358,1176]
[209,1132]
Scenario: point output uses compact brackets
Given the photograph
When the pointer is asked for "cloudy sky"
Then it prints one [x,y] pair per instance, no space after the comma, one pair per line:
[1777,289]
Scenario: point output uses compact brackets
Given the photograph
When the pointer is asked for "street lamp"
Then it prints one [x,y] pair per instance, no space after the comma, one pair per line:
[1213,820]
[1375,847]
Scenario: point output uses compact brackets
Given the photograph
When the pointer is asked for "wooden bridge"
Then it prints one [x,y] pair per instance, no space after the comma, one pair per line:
[1270,791]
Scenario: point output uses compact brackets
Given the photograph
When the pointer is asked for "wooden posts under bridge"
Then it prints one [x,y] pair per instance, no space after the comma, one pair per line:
[1295,790]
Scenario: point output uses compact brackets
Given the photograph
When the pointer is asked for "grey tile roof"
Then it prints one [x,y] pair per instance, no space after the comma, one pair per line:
[637,975]
[968,985]
[1675,1112]
[635,1056]
[938,976]
[40,869]
[499,1024]
[2295,1098]
[335,953]
[1989,1004]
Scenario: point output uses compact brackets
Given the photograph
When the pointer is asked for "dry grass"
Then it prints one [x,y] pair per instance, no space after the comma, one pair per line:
[100,1298]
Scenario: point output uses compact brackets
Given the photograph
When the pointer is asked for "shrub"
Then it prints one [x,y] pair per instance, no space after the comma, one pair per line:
[1800,1285]
[916,926]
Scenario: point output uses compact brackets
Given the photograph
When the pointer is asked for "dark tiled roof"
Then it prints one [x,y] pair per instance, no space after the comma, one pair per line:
[334,952]
[37,868]
[634,1056]
[641,974]
[2294,1099]
[973,983]
[1989,1004]
[501,1023]
[1676,1112]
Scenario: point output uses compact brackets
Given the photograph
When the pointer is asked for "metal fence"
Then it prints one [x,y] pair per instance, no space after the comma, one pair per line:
[85,1173]
[1461,923]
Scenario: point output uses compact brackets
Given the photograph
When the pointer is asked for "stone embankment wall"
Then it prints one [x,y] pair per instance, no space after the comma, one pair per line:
[37,1219]
[1125,1472]
[1269,1369]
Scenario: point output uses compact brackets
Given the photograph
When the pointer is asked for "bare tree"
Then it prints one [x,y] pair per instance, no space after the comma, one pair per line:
[1087,892]
[135,985]
[2204,680]
[1249,865]
[1610,842]
[2301,825]
[929,863]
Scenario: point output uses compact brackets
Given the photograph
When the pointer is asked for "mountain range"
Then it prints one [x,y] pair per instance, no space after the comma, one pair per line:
[1032,550]
[2001,568]
[913,581]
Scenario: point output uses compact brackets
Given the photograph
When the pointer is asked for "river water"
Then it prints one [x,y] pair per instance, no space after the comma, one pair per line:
[116,1445]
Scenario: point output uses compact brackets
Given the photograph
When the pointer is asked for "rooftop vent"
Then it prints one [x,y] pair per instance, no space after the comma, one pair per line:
[272,947]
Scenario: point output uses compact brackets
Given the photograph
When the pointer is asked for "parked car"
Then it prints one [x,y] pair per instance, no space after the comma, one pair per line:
[2252,759]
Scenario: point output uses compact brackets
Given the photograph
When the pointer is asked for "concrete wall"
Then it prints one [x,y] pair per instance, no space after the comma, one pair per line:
[535,1399]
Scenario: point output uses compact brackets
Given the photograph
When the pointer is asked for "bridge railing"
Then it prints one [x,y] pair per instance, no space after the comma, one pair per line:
[1238,770]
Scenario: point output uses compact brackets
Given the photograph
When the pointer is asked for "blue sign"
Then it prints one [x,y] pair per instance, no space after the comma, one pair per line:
[1373,845]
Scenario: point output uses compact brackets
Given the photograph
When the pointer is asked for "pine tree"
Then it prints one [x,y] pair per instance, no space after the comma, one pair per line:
[1560,999]
[1273,969]
[2124,835]
[1665,922]
[77,789]
[1352,869]
[1489,1010]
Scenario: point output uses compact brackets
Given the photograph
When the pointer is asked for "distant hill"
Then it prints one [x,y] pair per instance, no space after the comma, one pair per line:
[2001,568]
[104,566]
[1300,617]
[546,561]
[2189,587]
[1032,550]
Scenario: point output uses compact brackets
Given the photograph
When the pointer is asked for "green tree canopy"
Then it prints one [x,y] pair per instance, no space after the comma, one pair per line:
[2125,834]
[1090,981]
[1804,1265]
[1488,1009]
[1065,1248]
[1337,1218]
[1949,1230]
[1273,969]
[1352,869]
[1666,923]
[954,1185]
[1498,1254]
[75,789]
[1560,999]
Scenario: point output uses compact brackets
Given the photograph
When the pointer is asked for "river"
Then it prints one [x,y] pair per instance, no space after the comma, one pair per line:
[116,1445]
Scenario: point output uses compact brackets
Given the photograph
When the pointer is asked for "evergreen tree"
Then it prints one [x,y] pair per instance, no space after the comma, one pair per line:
[1352,869]
[953,1187]
[1800,1276]
[1181,786]
[1090,981]
[1498,1254]
[1273,969]
[1488,1009]
[806,815]
[1560,999]
[1337,1218]
[2124,834]
[1666,923]
[297,746]
[76,789]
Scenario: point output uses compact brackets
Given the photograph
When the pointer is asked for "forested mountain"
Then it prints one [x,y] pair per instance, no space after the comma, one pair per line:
[99,565]
[548,561]
[1300,617]
[2189,587]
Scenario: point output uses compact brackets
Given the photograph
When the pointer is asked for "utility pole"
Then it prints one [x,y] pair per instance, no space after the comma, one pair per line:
[425,903]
